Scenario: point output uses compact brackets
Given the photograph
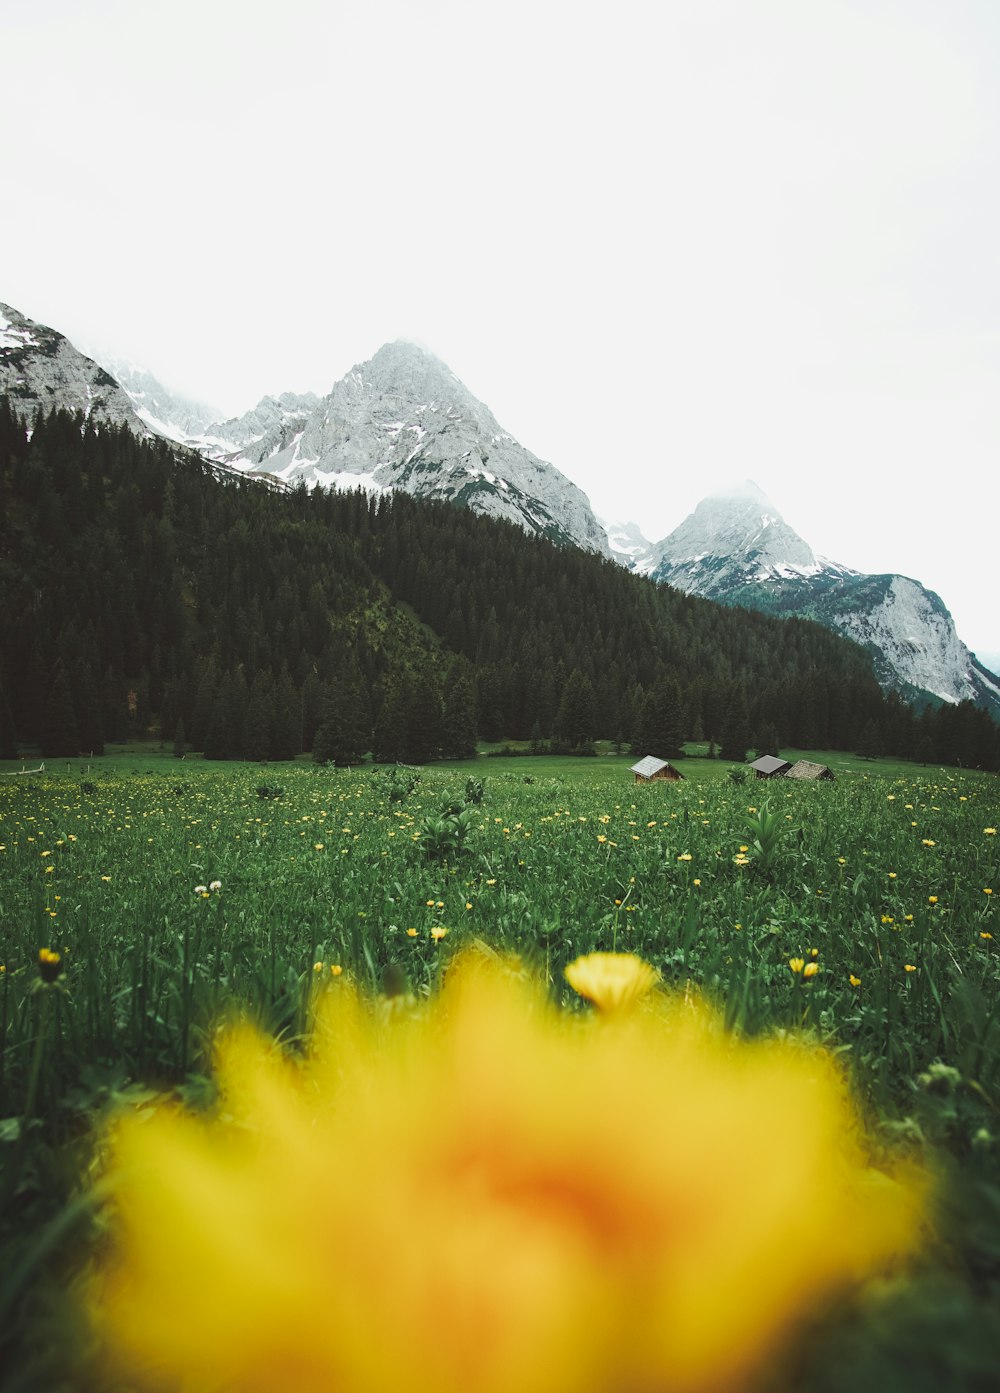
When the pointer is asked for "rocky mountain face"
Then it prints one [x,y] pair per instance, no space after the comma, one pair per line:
[163,411]
[41,368]
[737,549]
[403,420]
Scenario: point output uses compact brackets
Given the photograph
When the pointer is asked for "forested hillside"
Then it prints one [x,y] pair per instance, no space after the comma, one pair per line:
[144,592]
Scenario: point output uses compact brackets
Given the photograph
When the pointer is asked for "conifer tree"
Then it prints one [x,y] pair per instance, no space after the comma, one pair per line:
[59,734]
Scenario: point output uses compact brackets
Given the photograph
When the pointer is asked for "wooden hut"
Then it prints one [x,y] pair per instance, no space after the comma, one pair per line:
[770,767]
[805,769]
[651,768]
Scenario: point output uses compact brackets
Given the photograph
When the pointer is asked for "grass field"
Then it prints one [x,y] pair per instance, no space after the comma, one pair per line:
[861,912]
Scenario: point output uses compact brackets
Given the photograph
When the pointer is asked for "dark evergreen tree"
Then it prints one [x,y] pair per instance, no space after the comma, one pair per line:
[58,734]
[458,719]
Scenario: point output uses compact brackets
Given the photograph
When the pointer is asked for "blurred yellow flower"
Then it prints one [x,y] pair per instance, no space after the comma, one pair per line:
[49,964]
[855,981]
[610,980]
[485,1195]
[810,969]
[796,964]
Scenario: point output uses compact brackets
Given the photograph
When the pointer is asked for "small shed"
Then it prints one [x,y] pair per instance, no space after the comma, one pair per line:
[806,769]
[770,767]
[652,768]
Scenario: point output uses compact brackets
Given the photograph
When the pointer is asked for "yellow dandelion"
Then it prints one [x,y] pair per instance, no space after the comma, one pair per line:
[796,964]
[49,963]
[810,969]
[521,1226]
[610,980]
[438,932]
[932,899]
[854,981]
[909,967]
[985,935]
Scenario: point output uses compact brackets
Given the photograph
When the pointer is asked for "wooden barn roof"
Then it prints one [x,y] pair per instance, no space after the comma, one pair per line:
[649,766]
[770,764]
[806,769]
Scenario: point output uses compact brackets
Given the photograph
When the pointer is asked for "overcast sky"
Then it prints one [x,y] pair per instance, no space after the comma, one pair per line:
[671,245]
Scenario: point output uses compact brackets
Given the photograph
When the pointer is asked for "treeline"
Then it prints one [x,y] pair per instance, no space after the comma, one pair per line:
[145,594]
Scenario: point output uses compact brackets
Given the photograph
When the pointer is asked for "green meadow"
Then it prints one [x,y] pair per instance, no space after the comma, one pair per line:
[178,893]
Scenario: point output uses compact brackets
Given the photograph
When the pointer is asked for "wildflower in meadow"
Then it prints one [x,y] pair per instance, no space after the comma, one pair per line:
[796,964]
[484,1194]
[49,964]
[610,980]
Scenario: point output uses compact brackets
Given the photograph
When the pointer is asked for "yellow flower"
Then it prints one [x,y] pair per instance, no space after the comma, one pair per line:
[610,980]
[985,935]
[927,842]
[684,856]
[909,967]
[989,831]
[854,981]
[438,932]
[810,969]
[549,1204]
[987,890]
[49,964]
[602,838]
[411,933]
[796,964]
[932,899]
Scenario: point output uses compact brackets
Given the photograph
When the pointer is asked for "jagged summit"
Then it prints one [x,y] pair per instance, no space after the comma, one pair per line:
[742,527]
[409,367]
[403,420]
[736,548]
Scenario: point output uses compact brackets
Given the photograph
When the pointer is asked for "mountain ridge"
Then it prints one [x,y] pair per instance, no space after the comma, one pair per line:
[403,420]
[737,549]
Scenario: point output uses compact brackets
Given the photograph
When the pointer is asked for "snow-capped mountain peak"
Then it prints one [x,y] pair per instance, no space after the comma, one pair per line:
[743,527]
[403,420]
[736,548]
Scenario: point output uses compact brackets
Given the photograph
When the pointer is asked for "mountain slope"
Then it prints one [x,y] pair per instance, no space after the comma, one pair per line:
[39,367]
[736,548]
[403,420]
[165,412]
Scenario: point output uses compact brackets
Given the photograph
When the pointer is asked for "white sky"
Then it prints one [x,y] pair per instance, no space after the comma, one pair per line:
[671,244]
